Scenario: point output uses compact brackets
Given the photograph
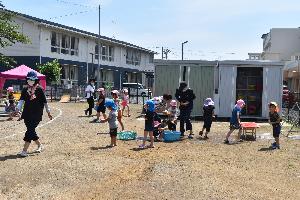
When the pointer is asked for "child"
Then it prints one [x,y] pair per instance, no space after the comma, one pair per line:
[173,113]
[116,99]
[149,109]
[274,120]
[112,121]
[208,115]
[90,95]
[34,100]
[125,102]
[10,106]
[235,121]
[100,104]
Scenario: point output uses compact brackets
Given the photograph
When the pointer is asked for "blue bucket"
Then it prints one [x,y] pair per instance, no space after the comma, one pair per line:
[171,136]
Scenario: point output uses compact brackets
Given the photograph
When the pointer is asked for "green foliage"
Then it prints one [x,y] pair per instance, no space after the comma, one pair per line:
[9,34]
[51,70]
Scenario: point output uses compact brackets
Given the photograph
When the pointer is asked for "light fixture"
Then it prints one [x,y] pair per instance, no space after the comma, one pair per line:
[294,71]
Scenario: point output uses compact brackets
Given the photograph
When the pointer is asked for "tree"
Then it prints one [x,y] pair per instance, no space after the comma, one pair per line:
[51,70]
[9,34]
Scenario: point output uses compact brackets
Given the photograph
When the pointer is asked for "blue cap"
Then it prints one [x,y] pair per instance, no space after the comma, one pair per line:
[32,75]
[110,103]
[151,105]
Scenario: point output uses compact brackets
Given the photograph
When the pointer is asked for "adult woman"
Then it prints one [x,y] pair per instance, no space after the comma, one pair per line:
[185,96]
[90,95]
[33,101]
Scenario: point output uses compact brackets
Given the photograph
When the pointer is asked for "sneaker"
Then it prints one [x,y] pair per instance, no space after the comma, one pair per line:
[273,144]
[39,149]
[23,154]
[142,146]
[85,112]
[190,136]
[226,141]
[278,146]
[201,133]
[95,120]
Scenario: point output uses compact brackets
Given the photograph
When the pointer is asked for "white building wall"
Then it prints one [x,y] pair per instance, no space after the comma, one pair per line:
[30,29]
[283,41]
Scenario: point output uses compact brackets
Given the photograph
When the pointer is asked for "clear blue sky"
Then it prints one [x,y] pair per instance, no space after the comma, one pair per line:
[215,29]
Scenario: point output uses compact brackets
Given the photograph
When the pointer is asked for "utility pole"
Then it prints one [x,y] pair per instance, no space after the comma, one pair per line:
[98,69]
[166,51]
[182,49]
[162,53]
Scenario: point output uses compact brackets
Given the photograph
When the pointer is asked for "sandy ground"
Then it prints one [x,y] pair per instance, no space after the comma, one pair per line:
[76,164]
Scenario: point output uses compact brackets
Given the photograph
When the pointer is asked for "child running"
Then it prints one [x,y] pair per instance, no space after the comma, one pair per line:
[235,120]
[34,100]
[274,120]
[115,96]
[112,121]
[100,104]
[208,115]
[125,102]
[149,127]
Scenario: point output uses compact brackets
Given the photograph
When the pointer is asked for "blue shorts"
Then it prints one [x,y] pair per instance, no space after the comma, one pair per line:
[276,130]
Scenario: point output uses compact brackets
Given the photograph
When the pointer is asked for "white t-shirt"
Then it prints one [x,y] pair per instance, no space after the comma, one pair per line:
[89,90]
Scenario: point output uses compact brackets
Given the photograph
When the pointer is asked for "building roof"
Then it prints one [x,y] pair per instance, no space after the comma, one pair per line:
[46,22]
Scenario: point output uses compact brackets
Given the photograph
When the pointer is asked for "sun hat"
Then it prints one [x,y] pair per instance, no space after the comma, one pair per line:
[101,90]
[208,102]
[10,89]
[125,90]
[115,92]
[173,103]
[240,103]
[32,75]
[274,104]
[110,103]
[151,105]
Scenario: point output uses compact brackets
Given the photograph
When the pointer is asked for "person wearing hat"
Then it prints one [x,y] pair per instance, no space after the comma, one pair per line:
[125,102]
[235,120]
[115,96]
[112,121]
[274,120]
[185,96]
[208,115]
[90,96]
[100,105]
[149,127]
[33,101]
[10,106]
[173,113]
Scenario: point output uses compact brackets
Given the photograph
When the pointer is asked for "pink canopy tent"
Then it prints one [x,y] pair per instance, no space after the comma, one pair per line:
[20,73]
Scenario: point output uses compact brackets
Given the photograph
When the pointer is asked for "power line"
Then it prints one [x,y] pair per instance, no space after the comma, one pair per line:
[71,14]
[75,4]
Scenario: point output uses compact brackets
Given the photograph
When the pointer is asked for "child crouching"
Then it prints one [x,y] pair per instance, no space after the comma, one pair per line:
[112,121]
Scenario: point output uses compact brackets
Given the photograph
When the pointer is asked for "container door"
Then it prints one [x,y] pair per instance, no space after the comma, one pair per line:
[272,89]
[227,90]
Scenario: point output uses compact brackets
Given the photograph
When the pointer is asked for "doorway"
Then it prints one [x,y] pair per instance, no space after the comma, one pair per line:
[249,87]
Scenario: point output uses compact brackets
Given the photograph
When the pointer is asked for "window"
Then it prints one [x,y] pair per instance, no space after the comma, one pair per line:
[151,58]
[65,44]
[69,72]
[96,52]
[133,57]
[55,42]
[111,53]
[74,46]
[104,52]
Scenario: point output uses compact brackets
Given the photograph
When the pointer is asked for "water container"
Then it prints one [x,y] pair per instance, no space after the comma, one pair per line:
[171,136]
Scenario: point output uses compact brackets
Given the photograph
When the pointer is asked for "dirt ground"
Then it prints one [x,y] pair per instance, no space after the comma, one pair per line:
[76,164]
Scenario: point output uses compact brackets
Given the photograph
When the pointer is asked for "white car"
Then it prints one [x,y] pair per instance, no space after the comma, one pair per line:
[133,87]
